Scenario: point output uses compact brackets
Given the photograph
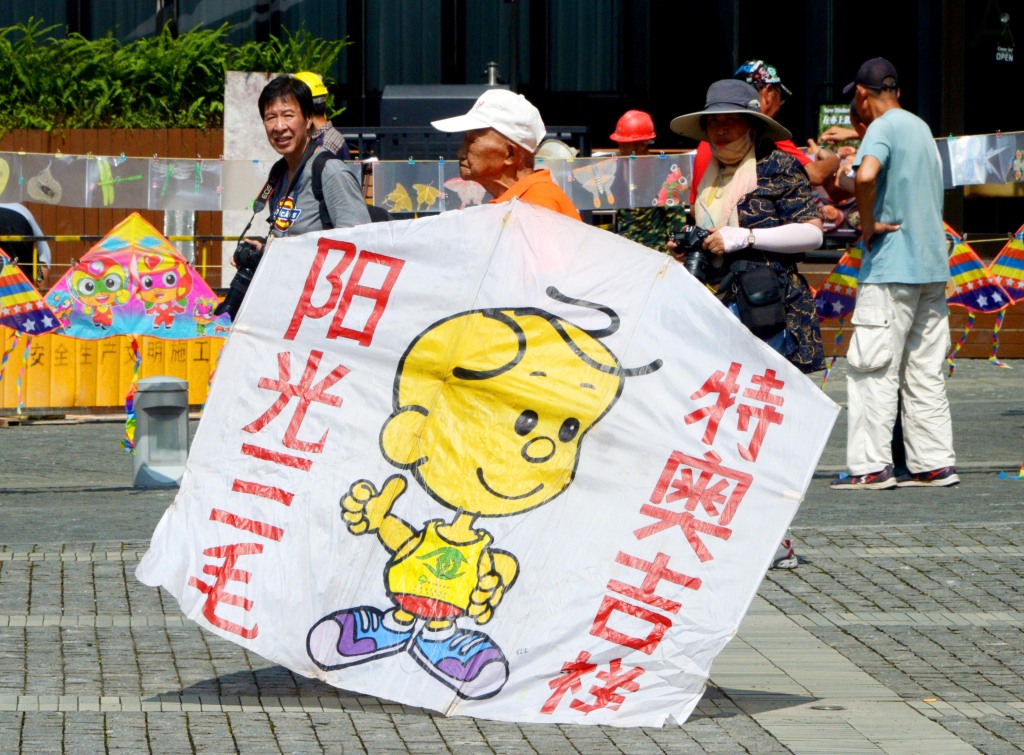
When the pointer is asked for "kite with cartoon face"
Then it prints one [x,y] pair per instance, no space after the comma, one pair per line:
[490,409]
[163,287]
[100,284]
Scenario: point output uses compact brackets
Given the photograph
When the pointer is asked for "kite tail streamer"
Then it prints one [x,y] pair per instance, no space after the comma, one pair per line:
[129,402]
[11,346]
[835,354]
[960,343]
[21,372]
[994,359]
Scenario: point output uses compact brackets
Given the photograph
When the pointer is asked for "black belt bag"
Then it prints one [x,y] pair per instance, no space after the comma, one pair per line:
[760,300]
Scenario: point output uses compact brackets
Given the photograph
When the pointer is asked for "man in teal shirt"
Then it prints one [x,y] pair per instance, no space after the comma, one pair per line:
[901,320]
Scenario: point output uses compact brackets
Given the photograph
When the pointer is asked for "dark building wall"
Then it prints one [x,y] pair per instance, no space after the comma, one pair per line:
[584,62]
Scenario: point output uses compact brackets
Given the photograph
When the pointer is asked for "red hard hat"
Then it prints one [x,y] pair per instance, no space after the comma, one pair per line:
[633,126]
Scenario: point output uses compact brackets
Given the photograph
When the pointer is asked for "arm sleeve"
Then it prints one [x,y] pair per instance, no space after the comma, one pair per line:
[343,196]
[791,238]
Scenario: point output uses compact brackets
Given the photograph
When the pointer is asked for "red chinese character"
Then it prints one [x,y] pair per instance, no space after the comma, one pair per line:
[341,294]
[659,625]
[306,393]
[568,680]
[606,696]
[763,415]
[217,594]
[726,387]
[656,571]
[262,529]
[710,488]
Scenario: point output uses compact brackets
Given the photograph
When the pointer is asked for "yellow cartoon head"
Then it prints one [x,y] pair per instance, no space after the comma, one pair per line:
[491,406]
[99,281]
[162,278]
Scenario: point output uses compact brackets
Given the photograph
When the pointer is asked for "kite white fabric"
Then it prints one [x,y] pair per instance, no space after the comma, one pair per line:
[492,462]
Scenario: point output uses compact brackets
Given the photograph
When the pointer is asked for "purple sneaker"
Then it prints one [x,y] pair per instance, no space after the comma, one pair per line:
[467,661]
[355,635]
[883,480]
[936,478]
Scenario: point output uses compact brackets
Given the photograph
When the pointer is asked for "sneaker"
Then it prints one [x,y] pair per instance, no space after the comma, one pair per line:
[465,660]
[883,480]
[785,556]
[936,478]
[356,635]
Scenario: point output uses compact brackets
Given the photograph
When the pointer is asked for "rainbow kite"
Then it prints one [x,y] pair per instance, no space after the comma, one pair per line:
[1007,269]
[972,287]
[22,307]
[838,295]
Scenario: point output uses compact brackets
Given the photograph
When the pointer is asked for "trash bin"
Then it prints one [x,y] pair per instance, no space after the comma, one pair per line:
[161,432]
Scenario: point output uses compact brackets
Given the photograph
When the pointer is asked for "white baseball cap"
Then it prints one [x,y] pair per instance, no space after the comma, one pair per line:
[508,113]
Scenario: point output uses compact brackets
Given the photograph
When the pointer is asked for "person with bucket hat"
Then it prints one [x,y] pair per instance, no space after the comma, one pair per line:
[503,131]
[755,203]
[650,226]
[901,318]
[771,94]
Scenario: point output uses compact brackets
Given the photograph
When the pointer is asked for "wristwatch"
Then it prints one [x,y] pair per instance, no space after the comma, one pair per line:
[751,239]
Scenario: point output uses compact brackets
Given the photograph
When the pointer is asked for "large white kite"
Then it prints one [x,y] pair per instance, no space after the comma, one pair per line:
[493,462]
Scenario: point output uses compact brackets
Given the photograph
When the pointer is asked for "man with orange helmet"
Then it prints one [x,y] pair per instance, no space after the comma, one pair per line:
[633,133]
[650,226]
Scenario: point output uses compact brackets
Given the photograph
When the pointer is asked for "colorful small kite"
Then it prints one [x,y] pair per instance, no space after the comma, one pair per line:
[22,307]
[133,282]
[838,295]
[24,310]
[972,287]
[1007,269]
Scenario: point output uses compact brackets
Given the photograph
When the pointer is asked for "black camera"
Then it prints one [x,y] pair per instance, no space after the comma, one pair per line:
[247,256]
[690,243]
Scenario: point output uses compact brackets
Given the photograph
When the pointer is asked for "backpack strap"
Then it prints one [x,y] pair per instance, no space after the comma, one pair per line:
[377,214]
[318,186]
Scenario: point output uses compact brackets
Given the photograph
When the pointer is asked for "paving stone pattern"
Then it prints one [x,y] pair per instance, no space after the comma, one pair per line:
[919,591]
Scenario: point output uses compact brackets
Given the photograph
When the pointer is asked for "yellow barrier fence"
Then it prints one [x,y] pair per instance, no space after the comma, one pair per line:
[69,373]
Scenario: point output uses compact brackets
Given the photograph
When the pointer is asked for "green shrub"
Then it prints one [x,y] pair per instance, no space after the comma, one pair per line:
[156,82]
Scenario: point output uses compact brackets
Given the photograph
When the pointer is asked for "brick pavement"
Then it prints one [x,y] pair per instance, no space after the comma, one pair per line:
[900,631]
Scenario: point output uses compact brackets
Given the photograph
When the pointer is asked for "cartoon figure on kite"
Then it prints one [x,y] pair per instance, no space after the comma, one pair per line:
[100,284]
[491,429]
[164,284]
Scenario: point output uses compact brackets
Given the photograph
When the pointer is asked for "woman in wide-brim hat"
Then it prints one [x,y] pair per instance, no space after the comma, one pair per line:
[756,200]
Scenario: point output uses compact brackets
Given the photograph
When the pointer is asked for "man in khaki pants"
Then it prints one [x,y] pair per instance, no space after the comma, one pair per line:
[901,320]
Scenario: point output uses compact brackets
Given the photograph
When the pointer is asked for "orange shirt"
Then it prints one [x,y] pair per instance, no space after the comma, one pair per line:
[538,188]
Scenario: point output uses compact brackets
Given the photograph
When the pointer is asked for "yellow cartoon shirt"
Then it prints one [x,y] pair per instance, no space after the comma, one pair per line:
[437,576]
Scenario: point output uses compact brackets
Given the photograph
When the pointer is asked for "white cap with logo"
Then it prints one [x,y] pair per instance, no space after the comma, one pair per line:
[508,113]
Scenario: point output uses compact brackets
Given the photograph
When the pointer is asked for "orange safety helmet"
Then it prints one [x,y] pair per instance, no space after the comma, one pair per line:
[634,126]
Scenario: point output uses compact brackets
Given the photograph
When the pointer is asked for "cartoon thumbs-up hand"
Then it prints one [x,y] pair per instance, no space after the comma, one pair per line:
[364,508]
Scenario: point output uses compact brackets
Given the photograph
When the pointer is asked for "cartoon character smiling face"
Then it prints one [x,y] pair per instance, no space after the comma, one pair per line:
[497,429]
[101,284]
[162,279]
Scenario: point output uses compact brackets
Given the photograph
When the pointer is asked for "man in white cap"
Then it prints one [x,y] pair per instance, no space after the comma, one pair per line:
[503,131]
